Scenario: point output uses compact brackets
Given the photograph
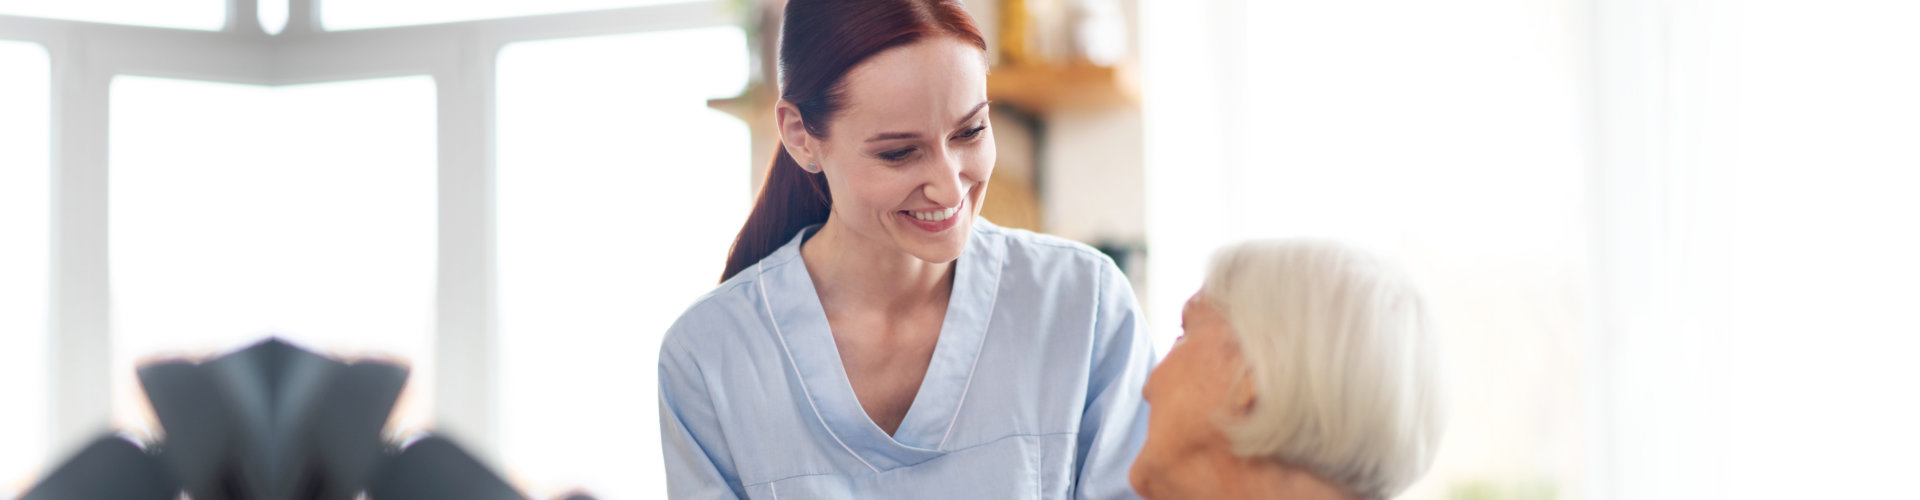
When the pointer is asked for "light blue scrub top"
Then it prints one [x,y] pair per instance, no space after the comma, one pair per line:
[1033,390]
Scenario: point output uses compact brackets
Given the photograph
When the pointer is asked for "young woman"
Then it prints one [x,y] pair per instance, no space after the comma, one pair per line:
[872,337]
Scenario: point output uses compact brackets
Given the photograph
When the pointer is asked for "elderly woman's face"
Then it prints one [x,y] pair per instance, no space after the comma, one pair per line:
[1199,382]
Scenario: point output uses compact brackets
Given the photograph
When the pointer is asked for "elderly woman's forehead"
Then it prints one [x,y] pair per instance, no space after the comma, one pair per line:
[1198,306]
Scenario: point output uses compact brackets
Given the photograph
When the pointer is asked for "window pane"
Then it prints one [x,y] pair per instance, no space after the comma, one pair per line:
[208,15]
[1807,227]
[24,213]
[619,194]
[360,14]
[1446,136]
[238,212]
[1462,158]
[273,15]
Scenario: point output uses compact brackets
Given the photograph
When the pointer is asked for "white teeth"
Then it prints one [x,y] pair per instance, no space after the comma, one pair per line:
[935,216]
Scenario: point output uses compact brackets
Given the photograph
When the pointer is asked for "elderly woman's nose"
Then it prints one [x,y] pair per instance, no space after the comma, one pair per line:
[1147,390]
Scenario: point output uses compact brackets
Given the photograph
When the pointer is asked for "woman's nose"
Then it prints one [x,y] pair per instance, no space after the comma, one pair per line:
[945,183]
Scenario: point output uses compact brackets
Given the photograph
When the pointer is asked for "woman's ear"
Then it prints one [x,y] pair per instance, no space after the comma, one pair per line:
[1240,395]
[793,134]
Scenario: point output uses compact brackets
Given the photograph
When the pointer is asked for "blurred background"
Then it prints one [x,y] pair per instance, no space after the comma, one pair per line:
[1674,245]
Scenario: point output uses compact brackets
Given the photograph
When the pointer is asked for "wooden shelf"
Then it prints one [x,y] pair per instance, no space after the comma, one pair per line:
[1043,89]
[1034,89]
[753,103]
[754,107]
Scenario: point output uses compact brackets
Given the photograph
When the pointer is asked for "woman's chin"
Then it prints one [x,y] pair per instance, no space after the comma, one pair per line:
[938,254]
[941,248]
[1141,481]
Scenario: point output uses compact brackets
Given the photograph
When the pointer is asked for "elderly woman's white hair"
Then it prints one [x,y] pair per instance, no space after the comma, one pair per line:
[1338,346]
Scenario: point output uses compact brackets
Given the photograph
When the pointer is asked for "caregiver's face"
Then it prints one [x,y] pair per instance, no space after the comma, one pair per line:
[1200,381]
[908,157]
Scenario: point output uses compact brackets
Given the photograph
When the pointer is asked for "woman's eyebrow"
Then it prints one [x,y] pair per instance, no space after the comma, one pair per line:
[970,114]
[888,136]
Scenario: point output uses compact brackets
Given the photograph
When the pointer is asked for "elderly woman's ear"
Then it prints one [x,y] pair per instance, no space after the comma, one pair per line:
[1242,392]
[1242,397]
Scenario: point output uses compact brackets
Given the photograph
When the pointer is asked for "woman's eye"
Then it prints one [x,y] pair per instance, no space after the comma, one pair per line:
[972,132]
[896,155]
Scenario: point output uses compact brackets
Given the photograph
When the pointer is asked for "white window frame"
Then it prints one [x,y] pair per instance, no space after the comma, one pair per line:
[459,56]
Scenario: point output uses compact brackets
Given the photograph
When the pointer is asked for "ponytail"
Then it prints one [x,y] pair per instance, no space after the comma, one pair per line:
[790,200]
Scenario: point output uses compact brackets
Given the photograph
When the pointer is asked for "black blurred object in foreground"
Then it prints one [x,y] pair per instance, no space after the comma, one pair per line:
[272,421]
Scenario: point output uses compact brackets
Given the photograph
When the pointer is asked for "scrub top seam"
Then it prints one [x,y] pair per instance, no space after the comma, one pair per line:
[1046,241]
[1068,245]
[996,440]
[768,304]
[795,476]
[1093,351]
[992,303]
[993,442]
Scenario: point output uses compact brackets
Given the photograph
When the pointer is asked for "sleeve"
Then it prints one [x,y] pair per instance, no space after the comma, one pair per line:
[698,465]
[1114,424]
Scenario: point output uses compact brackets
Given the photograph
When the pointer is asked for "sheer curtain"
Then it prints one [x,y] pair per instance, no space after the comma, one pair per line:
[1797,142]
[1446,135]
[1669,242]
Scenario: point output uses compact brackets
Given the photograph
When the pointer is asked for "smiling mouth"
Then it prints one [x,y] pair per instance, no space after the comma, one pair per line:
[935,221]
[934,216]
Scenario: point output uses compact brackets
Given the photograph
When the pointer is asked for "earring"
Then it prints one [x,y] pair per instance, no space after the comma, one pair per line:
[812,168]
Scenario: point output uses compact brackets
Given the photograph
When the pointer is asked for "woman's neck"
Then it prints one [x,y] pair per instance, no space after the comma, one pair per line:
[1289,482]
[854,271]
[1224,475]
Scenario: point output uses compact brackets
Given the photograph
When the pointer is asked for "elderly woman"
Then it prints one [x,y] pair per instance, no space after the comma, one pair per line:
[1307,371]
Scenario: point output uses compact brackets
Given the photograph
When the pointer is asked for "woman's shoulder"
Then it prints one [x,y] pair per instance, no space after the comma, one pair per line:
[728,309]
[740,296]
[1021,247]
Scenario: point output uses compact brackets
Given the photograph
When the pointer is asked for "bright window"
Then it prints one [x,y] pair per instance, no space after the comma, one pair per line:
[619,195]
[1806,227]
[1444,135]
[24,264]
[1461,158]
[1738,176]
[239,212]
[205,15]
[273,15]
[359,14]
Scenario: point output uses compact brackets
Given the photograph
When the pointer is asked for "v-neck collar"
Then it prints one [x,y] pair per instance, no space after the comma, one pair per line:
[801,322]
